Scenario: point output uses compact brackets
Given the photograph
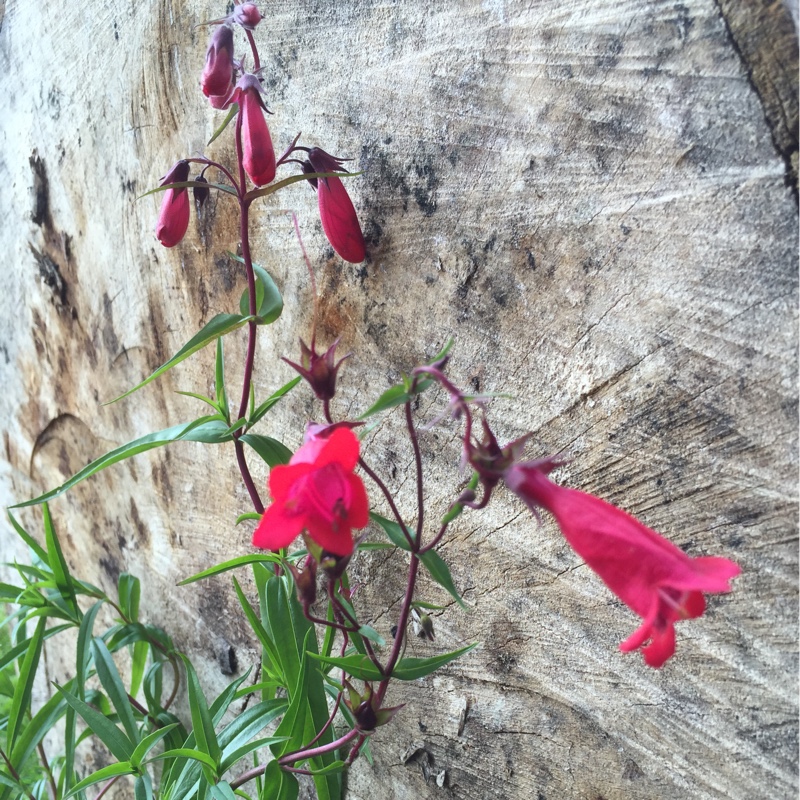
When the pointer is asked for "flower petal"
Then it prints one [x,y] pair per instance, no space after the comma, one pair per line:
[277,529]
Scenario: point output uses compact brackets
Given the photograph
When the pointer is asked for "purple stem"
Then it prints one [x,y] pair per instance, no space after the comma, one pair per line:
[412,433]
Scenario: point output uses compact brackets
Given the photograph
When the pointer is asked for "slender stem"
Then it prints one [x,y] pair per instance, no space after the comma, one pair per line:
[175,683]
[256,60]
[107,787]
[412,433]
[402,622]
[340,609]
[14,774]
[244,230]
[354,752]
[209,163]
[328,623]
[389,499]
[310,752]
[330,720]
[46,766]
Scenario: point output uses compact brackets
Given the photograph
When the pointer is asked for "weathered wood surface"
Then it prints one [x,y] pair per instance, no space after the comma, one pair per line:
[596,199]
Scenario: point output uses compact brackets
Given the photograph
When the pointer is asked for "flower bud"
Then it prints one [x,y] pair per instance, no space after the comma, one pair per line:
[259,155]
[247,15]
[305,581]
[217,78]
[173,219]
[339,218]
[200,193]
[319,370]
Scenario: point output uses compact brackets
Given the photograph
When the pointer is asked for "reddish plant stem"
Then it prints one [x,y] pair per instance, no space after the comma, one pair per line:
[310,752]
[389,499]
[329,722]
[244,231]
[14,774]
[340,609]
[107,787]
[412,433]
[256,59]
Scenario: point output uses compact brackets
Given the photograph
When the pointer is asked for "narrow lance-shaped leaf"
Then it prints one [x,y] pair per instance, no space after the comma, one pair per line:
[109,734]
[129,590]
[223,187]
[58,564]
[224,124]
[273,452]
[217,326]
[272,399]
[141,445]
[239,561]
[20,702]
[219,381]
[275,187]
[115,689]
[202,724]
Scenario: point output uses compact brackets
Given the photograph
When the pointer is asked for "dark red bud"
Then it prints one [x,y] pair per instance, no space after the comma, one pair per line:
[259,155]
[173,219]
[247,15]
[217,78]
[200,193]
[339,218]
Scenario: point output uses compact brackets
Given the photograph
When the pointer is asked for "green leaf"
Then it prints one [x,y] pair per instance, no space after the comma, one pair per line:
[278,784]
[190,185]
[20,703]
[440,572]
[269,303]
[129,590]
[149,742]
[271,450]
[431,560]
[239,561]
[186,432]
[392,397]
[202,398]
[58,565]
[10,593]
[41,724]
[234,109]
[104,774]
[190,753]
[143,787]
[367,546]
[409,669]
[138,665]
[258,628]
[22,648]
[237,755]
[273,399]
[335,766]
[222,791]
[115,689]
[202,724]
[217,326]
[249,515]
[357,665]
[219,381]
[39,551]
[393,531]
[272,188]
[370,633]
[109,734]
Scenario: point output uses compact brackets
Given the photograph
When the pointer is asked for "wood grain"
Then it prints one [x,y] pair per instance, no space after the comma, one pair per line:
[597,200]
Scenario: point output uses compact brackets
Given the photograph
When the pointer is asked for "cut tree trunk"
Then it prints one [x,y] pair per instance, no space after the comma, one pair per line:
[597,200]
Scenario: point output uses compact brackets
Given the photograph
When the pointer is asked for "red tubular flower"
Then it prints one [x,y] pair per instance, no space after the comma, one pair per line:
[258,153]
[317,492]
[649,574]
[173,219]
[217,78]
[339,218]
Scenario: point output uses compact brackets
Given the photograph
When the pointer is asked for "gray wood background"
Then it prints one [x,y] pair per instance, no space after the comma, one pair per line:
[596,199]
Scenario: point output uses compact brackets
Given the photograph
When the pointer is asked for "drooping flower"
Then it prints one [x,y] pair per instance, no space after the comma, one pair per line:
[649,574]
[339,218]
[258,153]
[316,492]
[217,78]
[247,15]
[173,219]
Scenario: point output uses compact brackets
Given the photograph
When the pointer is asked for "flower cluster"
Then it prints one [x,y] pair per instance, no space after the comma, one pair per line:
[225,82]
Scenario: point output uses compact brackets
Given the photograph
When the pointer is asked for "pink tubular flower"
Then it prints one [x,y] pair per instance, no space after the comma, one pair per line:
[217,78]
[339,218]
[649,574]
[173,219]
[317,492]
[258,155]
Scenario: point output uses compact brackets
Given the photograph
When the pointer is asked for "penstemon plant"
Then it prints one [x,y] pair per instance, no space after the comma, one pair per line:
[324,675]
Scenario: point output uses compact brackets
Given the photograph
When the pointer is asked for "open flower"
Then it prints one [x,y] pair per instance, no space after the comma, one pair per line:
[339,218]
[649,574]
[217,78]
[259,155]
[316,492]
[173,219]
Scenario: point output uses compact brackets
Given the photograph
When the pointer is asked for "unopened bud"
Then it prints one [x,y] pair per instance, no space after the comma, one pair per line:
[200,193]
[247,15]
